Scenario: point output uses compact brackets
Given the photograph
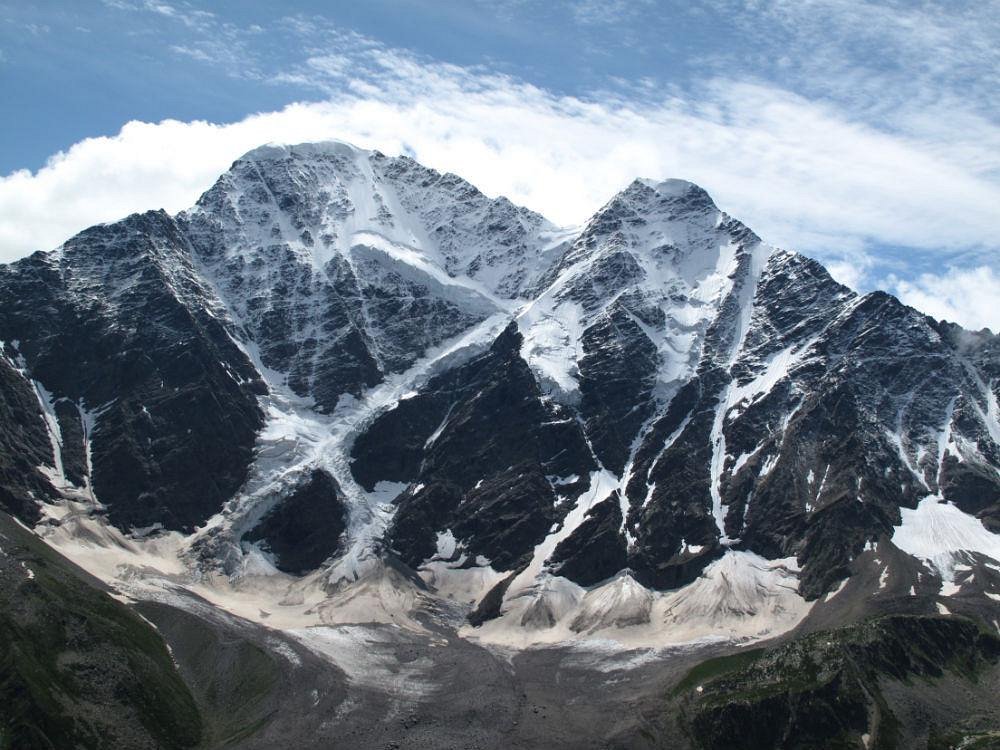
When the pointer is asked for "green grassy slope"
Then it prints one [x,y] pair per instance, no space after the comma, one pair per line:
[898,681]
[78,668]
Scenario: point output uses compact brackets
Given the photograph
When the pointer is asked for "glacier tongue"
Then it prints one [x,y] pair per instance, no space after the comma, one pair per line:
[297,438]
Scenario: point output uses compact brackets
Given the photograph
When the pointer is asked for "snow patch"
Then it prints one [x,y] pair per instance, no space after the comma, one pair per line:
[840,587]
[551,342]
[938,532]
[883,578]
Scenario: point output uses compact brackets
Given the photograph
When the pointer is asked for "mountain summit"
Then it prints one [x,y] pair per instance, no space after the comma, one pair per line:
[344,385]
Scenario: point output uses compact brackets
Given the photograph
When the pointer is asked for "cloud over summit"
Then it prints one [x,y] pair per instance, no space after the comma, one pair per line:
[883,200]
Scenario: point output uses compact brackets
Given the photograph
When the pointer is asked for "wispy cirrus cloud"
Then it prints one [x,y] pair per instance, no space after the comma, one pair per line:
[206,38]
[609,12]
[192,17]
[851,50]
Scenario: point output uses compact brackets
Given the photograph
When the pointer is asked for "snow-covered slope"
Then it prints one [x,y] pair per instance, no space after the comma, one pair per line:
[620,321]
[345,387]
[344,265]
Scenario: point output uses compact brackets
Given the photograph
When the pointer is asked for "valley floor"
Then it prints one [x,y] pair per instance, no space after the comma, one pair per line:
[379,686]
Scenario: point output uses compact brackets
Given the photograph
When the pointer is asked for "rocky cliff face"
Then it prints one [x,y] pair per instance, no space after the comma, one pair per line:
[343,266]
[337,360]
[149,402]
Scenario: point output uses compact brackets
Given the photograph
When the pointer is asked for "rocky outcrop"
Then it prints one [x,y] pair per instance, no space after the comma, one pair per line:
[118,327]
[304,528]
[481,448]
[596,550]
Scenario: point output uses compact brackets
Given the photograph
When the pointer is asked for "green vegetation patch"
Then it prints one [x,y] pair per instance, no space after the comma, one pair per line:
[77,667]
[824,690]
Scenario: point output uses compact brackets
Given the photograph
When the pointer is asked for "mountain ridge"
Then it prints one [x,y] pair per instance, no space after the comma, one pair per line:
[569,432]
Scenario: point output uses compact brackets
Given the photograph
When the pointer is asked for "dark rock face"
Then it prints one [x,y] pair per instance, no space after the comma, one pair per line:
[596,549]
[678,487]
[119,322]
[392,448]
[304,528]
[24,446]
[489,606]
[502,519]
[506,516]
[617,375]
[479,443]
[970,484]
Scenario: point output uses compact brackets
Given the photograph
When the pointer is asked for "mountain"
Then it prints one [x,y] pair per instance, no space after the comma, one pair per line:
[347,391]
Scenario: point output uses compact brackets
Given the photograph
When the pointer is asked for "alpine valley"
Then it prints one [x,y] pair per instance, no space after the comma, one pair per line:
[351,455]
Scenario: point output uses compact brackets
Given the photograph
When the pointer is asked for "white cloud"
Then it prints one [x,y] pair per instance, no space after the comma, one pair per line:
[796,171]
[965,296]
[192,52]
[200,20]
[884,57]
[850,269]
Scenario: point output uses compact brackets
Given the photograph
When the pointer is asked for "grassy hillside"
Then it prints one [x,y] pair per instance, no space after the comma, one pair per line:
[77,667]
[894,682]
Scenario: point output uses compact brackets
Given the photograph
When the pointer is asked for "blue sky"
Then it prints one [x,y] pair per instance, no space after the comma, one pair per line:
[865,134]
[80,69]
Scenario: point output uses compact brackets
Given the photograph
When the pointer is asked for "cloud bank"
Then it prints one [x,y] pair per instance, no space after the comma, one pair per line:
[969,296]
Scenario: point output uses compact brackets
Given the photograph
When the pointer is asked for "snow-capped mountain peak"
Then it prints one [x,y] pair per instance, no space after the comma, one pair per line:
[682,191]
[315,149]
[343,265]
[436,395]
[321,196]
